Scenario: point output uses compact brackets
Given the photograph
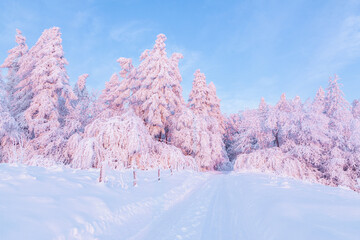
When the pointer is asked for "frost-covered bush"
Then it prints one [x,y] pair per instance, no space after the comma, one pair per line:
[123,142]
[273,160]
[169,156]
[41,161]
[315,140]
[119,140]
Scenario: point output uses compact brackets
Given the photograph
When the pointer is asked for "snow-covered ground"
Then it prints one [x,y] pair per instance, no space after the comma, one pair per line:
[62,203]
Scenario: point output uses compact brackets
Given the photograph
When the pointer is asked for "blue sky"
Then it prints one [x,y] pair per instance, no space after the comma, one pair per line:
[249,49]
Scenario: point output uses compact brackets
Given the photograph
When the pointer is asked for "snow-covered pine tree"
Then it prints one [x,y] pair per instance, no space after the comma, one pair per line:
[10,138]
[52,96]
[338,110]
[266,136]
[246,140]
[215,110]
[81,112]
[157,97]
[118,95]
[182,133]
[318,105]
[80,89]
[198,100]
[277,120]
[340,119]
[293,124]
[335,103]
[309,138]
[106,105]
[127,86]
[12,63]
[252,131]
[23,92]
[177,89]
[232,126]
[176,76]
[211,149]
[355,109]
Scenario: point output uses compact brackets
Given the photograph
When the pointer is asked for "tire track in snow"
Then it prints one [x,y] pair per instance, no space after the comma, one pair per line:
[132,218]
[223,207]
[222,221]
[185,219]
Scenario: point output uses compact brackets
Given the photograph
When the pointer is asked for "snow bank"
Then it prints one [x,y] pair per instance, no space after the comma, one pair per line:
[64,203]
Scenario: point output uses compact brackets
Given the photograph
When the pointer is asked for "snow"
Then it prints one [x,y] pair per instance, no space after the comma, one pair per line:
[65,203]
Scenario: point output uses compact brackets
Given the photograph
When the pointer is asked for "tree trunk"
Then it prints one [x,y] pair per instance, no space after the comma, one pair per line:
[134,175]
[276,136]
[277,140]
[166,136]
[101,177]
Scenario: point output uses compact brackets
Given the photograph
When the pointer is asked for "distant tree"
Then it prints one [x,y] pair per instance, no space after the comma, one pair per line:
[127,86]
[232,129]
[176,76]
[318,104]
[80,89]
[198,98]
[335,103]
[12,63]
[201,141]
[311,136]
[340,121]
[211,148]
[246,140]
[253,131]
[277,120]
[215,110]
[106,103]
[82,108]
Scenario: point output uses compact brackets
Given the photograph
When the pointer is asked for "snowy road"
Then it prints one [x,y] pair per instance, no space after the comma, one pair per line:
[204,214]
[230,206]
[38,203]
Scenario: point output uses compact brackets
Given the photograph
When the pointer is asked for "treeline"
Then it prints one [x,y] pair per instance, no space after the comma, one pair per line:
[140,121]
[318,140]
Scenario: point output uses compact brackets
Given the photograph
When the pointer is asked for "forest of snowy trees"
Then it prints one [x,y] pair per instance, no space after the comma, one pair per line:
[316,140]
[141,120]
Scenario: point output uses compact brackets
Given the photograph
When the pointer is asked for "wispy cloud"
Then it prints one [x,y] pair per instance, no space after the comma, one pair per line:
[338,50]
[129,32]
[24,20]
